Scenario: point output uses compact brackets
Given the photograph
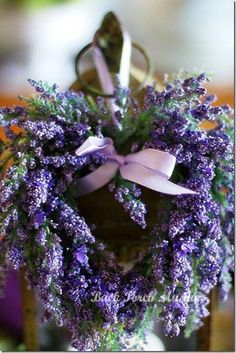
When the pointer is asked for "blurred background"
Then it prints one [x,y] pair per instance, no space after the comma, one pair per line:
[39,39]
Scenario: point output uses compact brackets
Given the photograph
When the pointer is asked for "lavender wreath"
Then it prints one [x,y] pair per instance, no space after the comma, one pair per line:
[190,247]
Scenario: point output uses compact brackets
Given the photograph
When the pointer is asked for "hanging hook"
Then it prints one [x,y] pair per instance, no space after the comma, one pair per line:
[112,54]
[98,92]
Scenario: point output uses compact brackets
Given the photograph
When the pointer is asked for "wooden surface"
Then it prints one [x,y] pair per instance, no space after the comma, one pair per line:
[205,333]
[29,310]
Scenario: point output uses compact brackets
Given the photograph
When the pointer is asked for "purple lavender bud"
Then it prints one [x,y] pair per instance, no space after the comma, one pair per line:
[41,236]
[81,254]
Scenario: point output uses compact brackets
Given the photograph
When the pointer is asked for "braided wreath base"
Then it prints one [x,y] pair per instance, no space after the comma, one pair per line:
[186,241]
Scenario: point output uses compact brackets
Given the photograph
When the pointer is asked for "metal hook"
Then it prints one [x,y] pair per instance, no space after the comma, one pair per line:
[112,48]
[98,92]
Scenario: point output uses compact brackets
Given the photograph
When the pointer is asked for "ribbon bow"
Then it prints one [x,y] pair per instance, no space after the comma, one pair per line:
[150,168]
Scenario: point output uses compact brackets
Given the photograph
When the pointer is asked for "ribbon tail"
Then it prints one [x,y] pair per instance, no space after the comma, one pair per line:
[125,61]
[152,180]
[96,179]
[102,70]
[105,81]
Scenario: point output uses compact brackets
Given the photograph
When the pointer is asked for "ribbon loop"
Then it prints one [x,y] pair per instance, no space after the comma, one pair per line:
[162,162]
[94,144]
[150,168]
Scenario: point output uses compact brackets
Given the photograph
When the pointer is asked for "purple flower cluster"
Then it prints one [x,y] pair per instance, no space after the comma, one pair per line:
[192,237]
[42,228]
[127,196]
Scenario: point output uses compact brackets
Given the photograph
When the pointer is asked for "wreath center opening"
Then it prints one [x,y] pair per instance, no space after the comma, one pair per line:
[112,225]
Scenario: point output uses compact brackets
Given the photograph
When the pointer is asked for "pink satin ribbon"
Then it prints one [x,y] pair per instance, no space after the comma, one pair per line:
[150,168]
